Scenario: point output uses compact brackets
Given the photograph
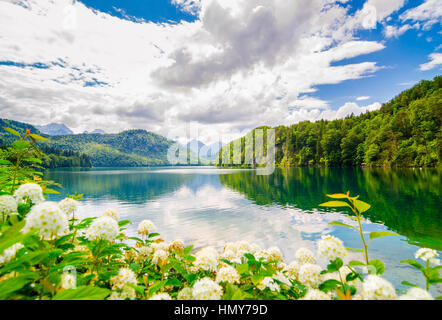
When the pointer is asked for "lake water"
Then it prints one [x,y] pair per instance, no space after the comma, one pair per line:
[209,206]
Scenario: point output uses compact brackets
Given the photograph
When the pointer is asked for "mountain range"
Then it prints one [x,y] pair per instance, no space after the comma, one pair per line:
[208,152]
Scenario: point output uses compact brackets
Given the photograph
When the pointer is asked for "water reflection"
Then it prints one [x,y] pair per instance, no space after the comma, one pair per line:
[405,200]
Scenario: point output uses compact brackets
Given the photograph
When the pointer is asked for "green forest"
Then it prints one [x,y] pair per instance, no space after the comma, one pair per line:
[405,132]
[133,148]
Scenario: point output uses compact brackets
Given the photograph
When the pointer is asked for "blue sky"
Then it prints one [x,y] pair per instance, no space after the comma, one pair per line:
[224,66]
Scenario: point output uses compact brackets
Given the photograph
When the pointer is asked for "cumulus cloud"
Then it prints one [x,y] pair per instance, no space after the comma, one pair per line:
[240,64]
[435,60]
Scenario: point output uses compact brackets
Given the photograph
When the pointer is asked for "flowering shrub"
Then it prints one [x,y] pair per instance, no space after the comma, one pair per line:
[40,244]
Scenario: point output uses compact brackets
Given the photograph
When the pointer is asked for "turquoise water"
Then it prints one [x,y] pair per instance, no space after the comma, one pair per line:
[208,206]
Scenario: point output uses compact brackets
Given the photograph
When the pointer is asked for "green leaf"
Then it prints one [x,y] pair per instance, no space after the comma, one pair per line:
[414,264]
[50,191]
[123,223]
[376,234]
[337,196]
[38,137]
[20,145]
[8,287]
[406,283]
[335,204]
[83,293]
[379,265]
[5,162]
[337,223]
[329,285]
[362,206]
[355,263]
[35,160]
[12,131]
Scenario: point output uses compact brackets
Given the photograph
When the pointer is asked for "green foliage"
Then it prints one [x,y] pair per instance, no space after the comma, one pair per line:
[406,132]
[21,162]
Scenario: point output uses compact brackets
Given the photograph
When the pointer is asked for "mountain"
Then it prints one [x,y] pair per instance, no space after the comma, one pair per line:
[207,152]
[405,132]
[55,129]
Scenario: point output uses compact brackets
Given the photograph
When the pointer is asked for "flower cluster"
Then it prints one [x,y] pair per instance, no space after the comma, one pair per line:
[330,248]
[103,228]
[227,274]
[207,289]
[10,253]
[68,205]
[146,227]
[29,191]
[49,219]
[8,206]
[111,214]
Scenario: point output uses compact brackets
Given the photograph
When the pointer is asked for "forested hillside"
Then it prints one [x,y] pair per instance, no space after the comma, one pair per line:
[54,158]
[405,132]
[133,148]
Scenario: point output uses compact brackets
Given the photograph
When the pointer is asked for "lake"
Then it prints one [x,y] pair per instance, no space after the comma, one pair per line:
[209,206]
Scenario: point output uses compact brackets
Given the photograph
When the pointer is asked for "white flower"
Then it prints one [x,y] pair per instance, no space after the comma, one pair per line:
[271,254]
[315,294]
[125,276]
[127,293]
[68,205]
[310,275]
[29,191]
[9,254]
[206,259]
[231,256]
[185,294]
[68,281]
[103,228]
[330,248]
[227,274]
[207,289]
[416,294]
[145,253]
[8,205]
[376,288]
[177,245]
[161,296]
[304,256]
[111,214]
[160,257]
[292,270]
[160,246]
[285,282]
[270,283]
[427,254]
[48,218]
[145,227]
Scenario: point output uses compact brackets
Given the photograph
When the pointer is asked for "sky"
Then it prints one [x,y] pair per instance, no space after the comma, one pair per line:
[211,68]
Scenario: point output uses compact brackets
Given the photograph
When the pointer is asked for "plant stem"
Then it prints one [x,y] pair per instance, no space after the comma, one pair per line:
[358,216]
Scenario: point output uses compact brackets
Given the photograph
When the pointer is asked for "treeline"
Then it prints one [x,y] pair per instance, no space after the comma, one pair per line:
[406,132]
[56,158]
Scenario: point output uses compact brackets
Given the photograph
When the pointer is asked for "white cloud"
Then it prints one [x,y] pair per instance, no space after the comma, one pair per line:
[363,98]
[239,58]
[395,31]
[435,60]
[430,12]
